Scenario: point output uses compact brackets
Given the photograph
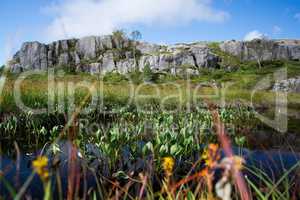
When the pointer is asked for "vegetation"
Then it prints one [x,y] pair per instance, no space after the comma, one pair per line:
[137,143]
[227,60]
[2,69]
[149,75]
[114,77]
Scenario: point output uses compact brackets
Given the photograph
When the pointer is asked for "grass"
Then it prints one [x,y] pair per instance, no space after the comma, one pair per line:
[115,87]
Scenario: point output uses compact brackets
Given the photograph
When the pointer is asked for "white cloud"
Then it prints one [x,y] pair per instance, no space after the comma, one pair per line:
[254,35]
[277,30]
[77,18]
[297,16]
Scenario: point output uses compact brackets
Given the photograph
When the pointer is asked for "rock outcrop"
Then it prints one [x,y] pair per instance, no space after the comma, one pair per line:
[288,85]
[101,54]
[263,50]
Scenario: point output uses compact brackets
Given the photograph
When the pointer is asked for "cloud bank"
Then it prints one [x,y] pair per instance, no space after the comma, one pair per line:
[77,18]
[254,35]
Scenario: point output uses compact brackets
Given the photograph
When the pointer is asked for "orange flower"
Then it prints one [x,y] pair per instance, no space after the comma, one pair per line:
[213,147]
[211,155]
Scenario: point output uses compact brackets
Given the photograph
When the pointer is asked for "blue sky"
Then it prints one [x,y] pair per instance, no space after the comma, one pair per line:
[160,21]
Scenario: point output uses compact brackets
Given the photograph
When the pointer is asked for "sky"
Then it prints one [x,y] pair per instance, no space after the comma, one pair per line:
[159,21]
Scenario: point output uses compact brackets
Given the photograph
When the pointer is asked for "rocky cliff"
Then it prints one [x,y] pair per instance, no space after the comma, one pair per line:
[100,54]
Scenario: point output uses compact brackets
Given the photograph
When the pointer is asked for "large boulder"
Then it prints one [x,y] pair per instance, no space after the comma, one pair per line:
[108,63]
[288,85]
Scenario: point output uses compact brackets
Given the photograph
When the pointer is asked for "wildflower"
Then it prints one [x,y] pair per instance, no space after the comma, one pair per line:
[211,155]
[168,165]
[213,147]
[40,167]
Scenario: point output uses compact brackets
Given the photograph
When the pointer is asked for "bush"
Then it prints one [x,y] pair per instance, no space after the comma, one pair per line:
[136,76]
[113,77]
[2,69]
[205,71]
[272,63]
[218,74]
[68,69]
[264,64]
[148,74]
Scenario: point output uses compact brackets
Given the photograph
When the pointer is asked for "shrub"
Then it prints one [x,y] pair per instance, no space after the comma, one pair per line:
[136,76]
[114,77]
[272,63]
[68,69]
[148,74]
[205,71]
[218,74]
[264,64]
[2,69]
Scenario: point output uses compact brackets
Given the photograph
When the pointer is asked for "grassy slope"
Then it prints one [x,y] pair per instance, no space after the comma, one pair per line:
[239,83]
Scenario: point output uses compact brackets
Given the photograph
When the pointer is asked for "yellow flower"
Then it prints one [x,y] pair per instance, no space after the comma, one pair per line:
[168,165]
[40,167]
[211,155]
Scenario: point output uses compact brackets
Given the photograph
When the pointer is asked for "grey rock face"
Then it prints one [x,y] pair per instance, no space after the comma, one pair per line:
[183,58]
[294,52]
[106,42]
[109,53]
[32,56]
[289,85]
[204,57]
[233,47]
[87,47]
[151,60]
[263,49]
[125,66]
[95,68]
[189,57]
[108,63]
[63,59]
[16,68]
[147,48]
